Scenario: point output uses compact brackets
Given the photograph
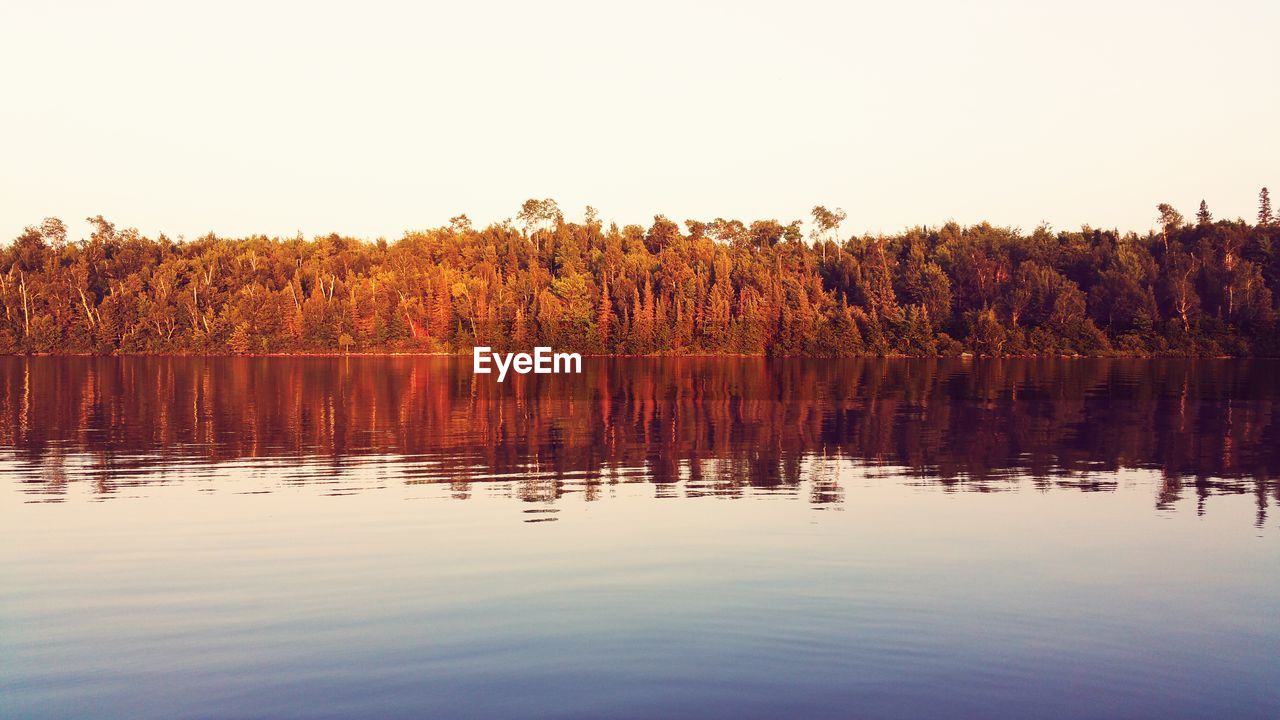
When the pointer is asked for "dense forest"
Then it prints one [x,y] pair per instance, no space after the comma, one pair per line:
[1198,287]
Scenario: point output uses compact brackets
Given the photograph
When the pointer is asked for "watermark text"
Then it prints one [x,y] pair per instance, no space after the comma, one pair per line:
[542,362]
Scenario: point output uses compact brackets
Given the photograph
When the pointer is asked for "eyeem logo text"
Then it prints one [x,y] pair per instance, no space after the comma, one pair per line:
[541,362]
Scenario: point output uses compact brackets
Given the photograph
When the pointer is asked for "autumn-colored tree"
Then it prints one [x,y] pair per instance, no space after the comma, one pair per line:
[826,227]
[724,286]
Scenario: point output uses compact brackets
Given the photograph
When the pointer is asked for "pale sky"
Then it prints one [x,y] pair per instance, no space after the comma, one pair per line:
[367,119]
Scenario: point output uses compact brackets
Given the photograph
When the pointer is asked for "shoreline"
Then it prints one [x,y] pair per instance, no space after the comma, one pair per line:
[663,355]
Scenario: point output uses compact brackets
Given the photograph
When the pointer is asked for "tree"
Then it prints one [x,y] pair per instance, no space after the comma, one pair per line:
[241,340]
[1180,271]
[826,226]
[1203,216]
[55,232]
[604,317]
[1170,221]
[662,234]
[1264,209]
[539,215]
[988,336]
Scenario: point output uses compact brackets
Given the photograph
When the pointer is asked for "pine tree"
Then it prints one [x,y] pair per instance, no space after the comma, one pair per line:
[1264,208]
[1203,216]
[605,316]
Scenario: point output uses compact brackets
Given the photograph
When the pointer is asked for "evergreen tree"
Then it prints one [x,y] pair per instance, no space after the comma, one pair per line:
[1203,216]
[604,316]
[1264,209]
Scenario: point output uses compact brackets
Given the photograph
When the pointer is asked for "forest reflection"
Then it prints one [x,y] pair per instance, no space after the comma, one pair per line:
[688,426]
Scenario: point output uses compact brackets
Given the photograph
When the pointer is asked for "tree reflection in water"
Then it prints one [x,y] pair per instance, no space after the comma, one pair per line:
[688,426]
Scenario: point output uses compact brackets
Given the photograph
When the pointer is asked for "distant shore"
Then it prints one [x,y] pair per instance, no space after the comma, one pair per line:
[662,355]
[1200,287]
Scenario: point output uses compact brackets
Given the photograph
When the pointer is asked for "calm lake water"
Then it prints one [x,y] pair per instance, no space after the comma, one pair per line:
[393,537]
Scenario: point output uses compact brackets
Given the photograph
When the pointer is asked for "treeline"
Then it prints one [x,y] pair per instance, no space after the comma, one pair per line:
[1202,287]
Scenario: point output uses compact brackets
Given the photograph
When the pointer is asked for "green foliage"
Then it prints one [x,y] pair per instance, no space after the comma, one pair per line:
[724,286]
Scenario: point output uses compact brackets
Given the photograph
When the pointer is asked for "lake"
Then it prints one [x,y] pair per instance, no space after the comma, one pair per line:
[654,538]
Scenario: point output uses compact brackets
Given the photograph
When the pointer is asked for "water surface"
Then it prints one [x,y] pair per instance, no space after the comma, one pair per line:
[393,537]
